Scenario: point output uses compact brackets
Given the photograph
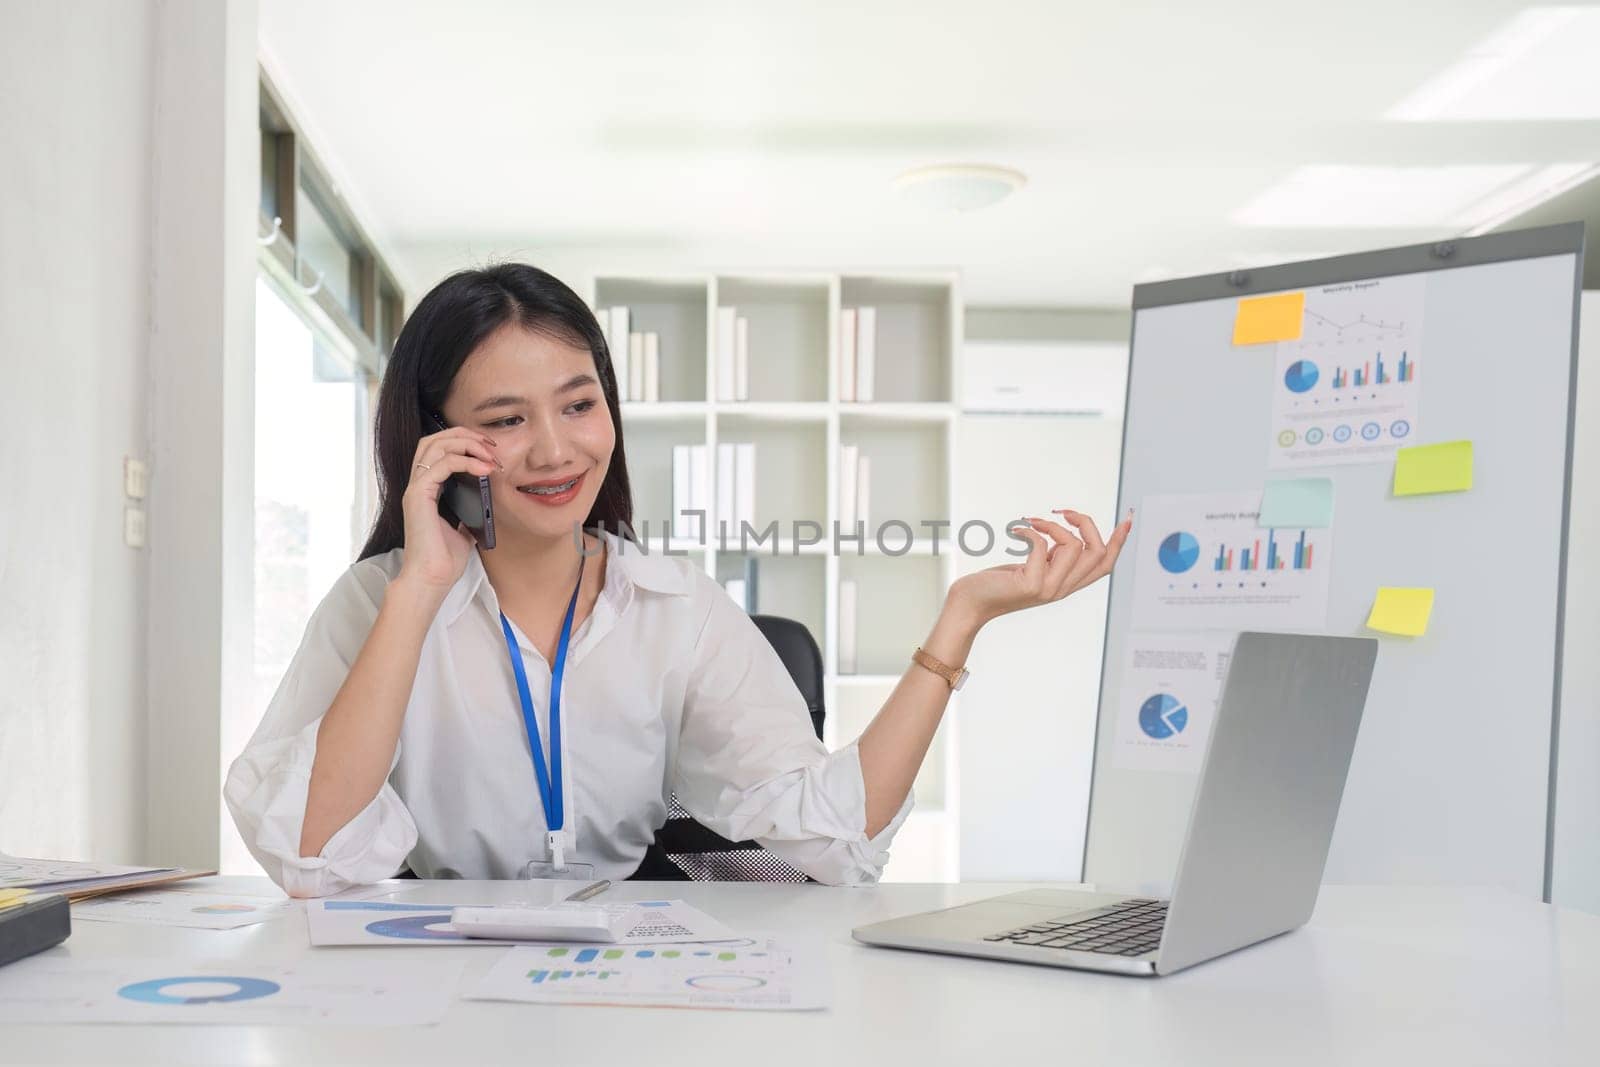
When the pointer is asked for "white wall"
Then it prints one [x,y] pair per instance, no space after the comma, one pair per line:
[122,236]
[1575,872]
[1026,721]
[1027,717]
[202,389]
[75,90]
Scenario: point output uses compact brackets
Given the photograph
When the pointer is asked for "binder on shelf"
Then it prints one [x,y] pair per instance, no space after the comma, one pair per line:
[847,626]
[866,353]
[847,354]
[636,366]
[726,518]
[741,358]
[863,483]
[700,490]
[744,491]
[849,467]
[752,587]
[727,330]
[652,367]
[691,490]
[680,491]
[618,341]
[736,487]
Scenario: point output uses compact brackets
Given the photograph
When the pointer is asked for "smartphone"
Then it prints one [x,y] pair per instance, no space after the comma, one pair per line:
[464,499]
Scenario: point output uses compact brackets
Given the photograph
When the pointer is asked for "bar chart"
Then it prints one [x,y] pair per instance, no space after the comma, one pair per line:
[1298,558]
[1373,372]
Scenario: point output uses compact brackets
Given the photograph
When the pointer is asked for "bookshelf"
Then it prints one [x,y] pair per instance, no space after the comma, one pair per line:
[798,422]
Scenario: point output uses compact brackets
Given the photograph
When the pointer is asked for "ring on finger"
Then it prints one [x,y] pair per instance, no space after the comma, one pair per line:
[422,466]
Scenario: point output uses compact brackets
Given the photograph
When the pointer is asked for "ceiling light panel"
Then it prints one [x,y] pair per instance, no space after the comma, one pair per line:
[1539,65]
[1329,195]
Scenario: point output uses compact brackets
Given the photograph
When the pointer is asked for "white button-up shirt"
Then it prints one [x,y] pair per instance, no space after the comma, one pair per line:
[669,687]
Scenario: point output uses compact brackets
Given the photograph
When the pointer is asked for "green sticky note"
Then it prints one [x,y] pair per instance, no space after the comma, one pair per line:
[1445,468]
[1401,611]
[1299,502]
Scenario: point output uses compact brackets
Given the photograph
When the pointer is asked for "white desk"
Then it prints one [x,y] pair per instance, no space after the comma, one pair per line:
[1380,976]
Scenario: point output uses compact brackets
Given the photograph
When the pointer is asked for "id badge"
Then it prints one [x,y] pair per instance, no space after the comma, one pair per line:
[558,866]
[583,872]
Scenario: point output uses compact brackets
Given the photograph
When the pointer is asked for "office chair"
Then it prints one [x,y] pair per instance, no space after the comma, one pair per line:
[684,845]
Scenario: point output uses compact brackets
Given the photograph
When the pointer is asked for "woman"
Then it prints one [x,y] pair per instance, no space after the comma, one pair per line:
[403,732]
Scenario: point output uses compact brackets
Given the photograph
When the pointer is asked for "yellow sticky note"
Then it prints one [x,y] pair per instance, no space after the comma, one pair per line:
[1401,611]
[10,898]
[1269,318]
[1445,468]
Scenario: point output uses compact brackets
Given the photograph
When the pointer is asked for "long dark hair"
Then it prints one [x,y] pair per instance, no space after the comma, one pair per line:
[442,331]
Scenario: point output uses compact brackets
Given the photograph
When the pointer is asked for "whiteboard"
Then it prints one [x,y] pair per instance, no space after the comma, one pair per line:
[1451,777]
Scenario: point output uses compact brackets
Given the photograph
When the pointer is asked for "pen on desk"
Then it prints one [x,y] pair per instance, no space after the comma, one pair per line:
[592,889]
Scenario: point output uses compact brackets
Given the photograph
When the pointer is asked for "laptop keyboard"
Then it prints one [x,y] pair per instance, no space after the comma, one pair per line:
[1128,928]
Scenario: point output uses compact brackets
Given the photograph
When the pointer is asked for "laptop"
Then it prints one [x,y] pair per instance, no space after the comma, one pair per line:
[1255,849]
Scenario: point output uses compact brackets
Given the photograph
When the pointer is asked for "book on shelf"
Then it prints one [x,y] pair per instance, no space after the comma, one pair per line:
[744,492]
[725,518]
[866,353]
[691,491]
[741,358]
[752,586]
[847,626]
[863,485]
[635,366]
[854,483]
[727,339]
[736,487]
[652,367]
[618,339]
[849,467]
[847,354]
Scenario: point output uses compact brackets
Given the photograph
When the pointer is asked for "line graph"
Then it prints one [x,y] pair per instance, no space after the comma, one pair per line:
[1360,320]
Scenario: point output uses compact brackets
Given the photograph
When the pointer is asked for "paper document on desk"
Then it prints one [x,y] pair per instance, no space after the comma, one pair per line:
[389,922]
[181,907]
[59,876]
[308,992]
[750,974]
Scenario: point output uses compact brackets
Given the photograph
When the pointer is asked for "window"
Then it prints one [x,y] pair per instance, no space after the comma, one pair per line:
[312,507]
[327,310]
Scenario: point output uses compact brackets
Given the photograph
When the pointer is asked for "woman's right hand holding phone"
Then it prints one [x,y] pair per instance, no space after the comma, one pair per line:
[435,552]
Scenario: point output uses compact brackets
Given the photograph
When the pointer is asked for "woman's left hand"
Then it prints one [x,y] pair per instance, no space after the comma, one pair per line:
[1059,563]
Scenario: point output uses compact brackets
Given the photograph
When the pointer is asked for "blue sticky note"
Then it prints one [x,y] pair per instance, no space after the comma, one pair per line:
[1300,502]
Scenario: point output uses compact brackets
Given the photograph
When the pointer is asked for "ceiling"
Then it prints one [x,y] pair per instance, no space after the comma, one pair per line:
[618,135]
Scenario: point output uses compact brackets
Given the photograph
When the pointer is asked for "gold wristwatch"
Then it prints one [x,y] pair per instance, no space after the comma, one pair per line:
[955,677]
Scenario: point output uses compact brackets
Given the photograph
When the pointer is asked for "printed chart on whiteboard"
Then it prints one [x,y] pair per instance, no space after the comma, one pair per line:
[1170,687]
[1347,390]
[1205,564]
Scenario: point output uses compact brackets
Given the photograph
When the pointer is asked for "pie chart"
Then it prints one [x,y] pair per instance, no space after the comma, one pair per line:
[1178,552]
[1163,716]
[198,989]
[1301,376]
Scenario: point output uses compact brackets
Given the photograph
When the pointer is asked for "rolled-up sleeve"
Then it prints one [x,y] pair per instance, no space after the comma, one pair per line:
[750,765]
[267,784]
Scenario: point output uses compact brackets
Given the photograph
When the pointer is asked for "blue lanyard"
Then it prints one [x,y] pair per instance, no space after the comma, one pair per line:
[549,781]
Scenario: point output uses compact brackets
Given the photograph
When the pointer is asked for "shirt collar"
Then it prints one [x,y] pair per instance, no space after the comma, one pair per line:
[628,564]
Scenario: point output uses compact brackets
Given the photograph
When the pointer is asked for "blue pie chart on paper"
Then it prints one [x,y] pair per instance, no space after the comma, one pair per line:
[1301,376]
[416,928]
[169,991]
[1178,552]
[1163,716]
